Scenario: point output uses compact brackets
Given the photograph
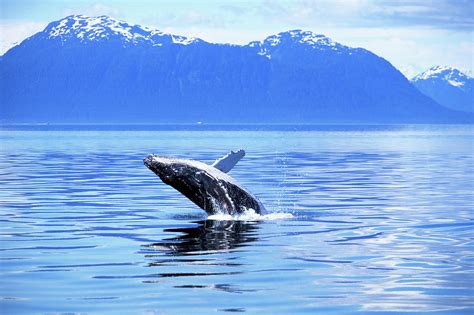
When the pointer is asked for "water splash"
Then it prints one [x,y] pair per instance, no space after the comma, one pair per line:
[250,215]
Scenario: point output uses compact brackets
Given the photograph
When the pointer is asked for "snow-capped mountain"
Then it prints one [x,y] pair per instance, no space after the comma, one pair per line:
[448,86]
[452,76]
[94,29]
[98,69]
[297,38]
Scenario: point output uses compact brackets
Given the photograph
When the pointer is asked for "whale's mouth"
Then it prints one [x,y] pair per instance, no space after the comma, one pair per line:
[156,162]
[157,165]
[148,161]
[163,167]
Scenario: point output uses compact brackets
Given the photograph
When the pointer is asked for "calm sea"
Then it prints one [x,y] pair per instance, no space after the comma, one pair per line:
[382,221]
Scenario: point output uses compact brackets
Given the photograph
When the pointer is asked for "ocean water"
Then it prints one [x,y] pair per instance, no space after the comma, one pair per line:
[361,220]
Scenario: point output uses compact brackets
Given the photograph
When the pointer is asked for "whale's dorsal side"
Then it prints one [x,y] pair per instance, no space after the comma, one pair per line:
[228,161]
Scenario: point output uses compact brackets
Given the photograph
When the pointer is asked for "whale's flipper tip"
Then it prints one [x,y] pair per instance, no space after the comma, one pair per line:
[228,161]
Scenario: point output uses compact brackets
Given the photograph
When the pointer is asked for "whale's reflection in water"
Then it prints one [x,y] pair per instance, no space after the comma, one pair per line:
[189,254]
[208,237]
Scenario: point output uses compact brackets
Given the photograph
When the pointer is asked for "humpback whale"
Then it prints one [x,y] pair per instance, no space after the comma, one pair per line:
[208,186]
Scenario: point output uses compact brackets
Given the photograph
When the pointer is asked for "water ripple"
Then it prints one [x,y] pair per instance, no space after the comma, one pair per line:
[381,222]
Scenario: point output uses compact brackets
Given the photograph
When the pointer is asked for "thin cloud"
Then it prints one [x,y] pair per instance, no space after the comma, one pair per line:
[452,15]
[13,33]
[94,10]
[442,14]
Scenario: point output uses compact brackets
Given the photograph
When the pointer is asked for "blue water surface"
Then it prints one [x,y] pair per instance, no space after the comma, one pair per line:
[382,221]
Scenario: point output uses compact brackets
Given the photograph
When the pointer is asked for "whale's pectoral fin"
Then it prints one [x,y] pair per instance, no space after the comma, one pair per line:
[228,161]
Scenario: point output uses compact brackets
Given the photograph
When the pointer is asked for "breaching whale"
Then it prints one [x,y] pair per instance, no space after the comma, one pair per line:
[208,186]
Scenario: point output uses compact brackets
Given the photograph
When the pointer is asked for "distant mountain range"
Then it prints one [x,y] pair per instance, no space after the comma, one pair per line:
[447,86]
[100,70]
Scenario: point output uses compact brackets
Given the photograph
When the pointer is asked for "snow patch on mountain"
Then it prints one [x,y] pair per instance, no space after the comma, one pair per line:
[99,28]
[301,38]
[450,75]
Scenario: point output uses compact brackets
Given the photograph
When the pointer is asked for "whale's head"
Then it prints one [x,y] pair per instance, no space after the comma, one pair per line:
[167,168]
[183,175]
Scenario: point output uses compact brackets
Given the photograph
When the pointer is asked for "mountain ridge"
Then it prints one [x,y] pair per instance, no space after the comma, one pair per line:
[96,28]
[84,70]
[448,86]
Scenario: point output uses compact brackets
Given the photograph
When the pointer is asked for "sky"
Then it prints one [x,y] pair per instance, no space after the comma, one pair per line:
[413,35]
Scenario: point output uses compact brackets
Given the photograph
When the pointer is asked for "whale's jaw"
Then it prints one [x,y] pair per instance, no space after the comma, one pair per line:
[209,188]
[161,166]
